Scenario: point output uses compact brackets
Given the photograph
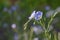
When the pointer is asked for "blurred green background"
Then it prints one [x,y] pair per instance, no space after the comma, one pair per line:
[19,14]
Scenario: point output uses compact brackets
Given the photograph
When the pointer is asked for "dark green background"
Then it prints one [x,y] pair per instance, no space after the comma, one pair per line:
[24,11]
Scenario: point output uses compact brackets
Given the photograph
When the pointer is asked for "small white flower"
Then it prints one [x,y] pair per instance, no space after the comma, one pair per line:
[36,38]
[32,15]
[13,26]
[37,29]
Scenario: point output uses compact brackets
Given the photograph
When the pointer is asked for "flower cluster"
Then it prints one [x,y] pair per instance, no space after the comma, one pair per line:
[36,15]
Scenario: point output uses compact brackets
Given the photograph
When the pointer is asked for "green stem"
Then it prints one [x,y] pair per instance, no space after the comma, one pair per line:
[47,35]
[52,17]
[43,25]
[25,25]
[31,34]
[55,36]
[49,23]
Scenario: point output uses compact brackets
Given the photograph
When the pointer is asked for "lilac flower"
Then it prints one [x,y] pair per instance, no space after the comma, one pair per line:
[38,15]
[13,26]
[16,36]
[32,15]
[13,8]
[47,7]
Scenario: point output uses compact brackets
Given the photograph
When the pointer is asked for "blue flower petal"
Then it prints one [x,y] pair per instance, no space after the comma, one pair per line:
[38,15]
